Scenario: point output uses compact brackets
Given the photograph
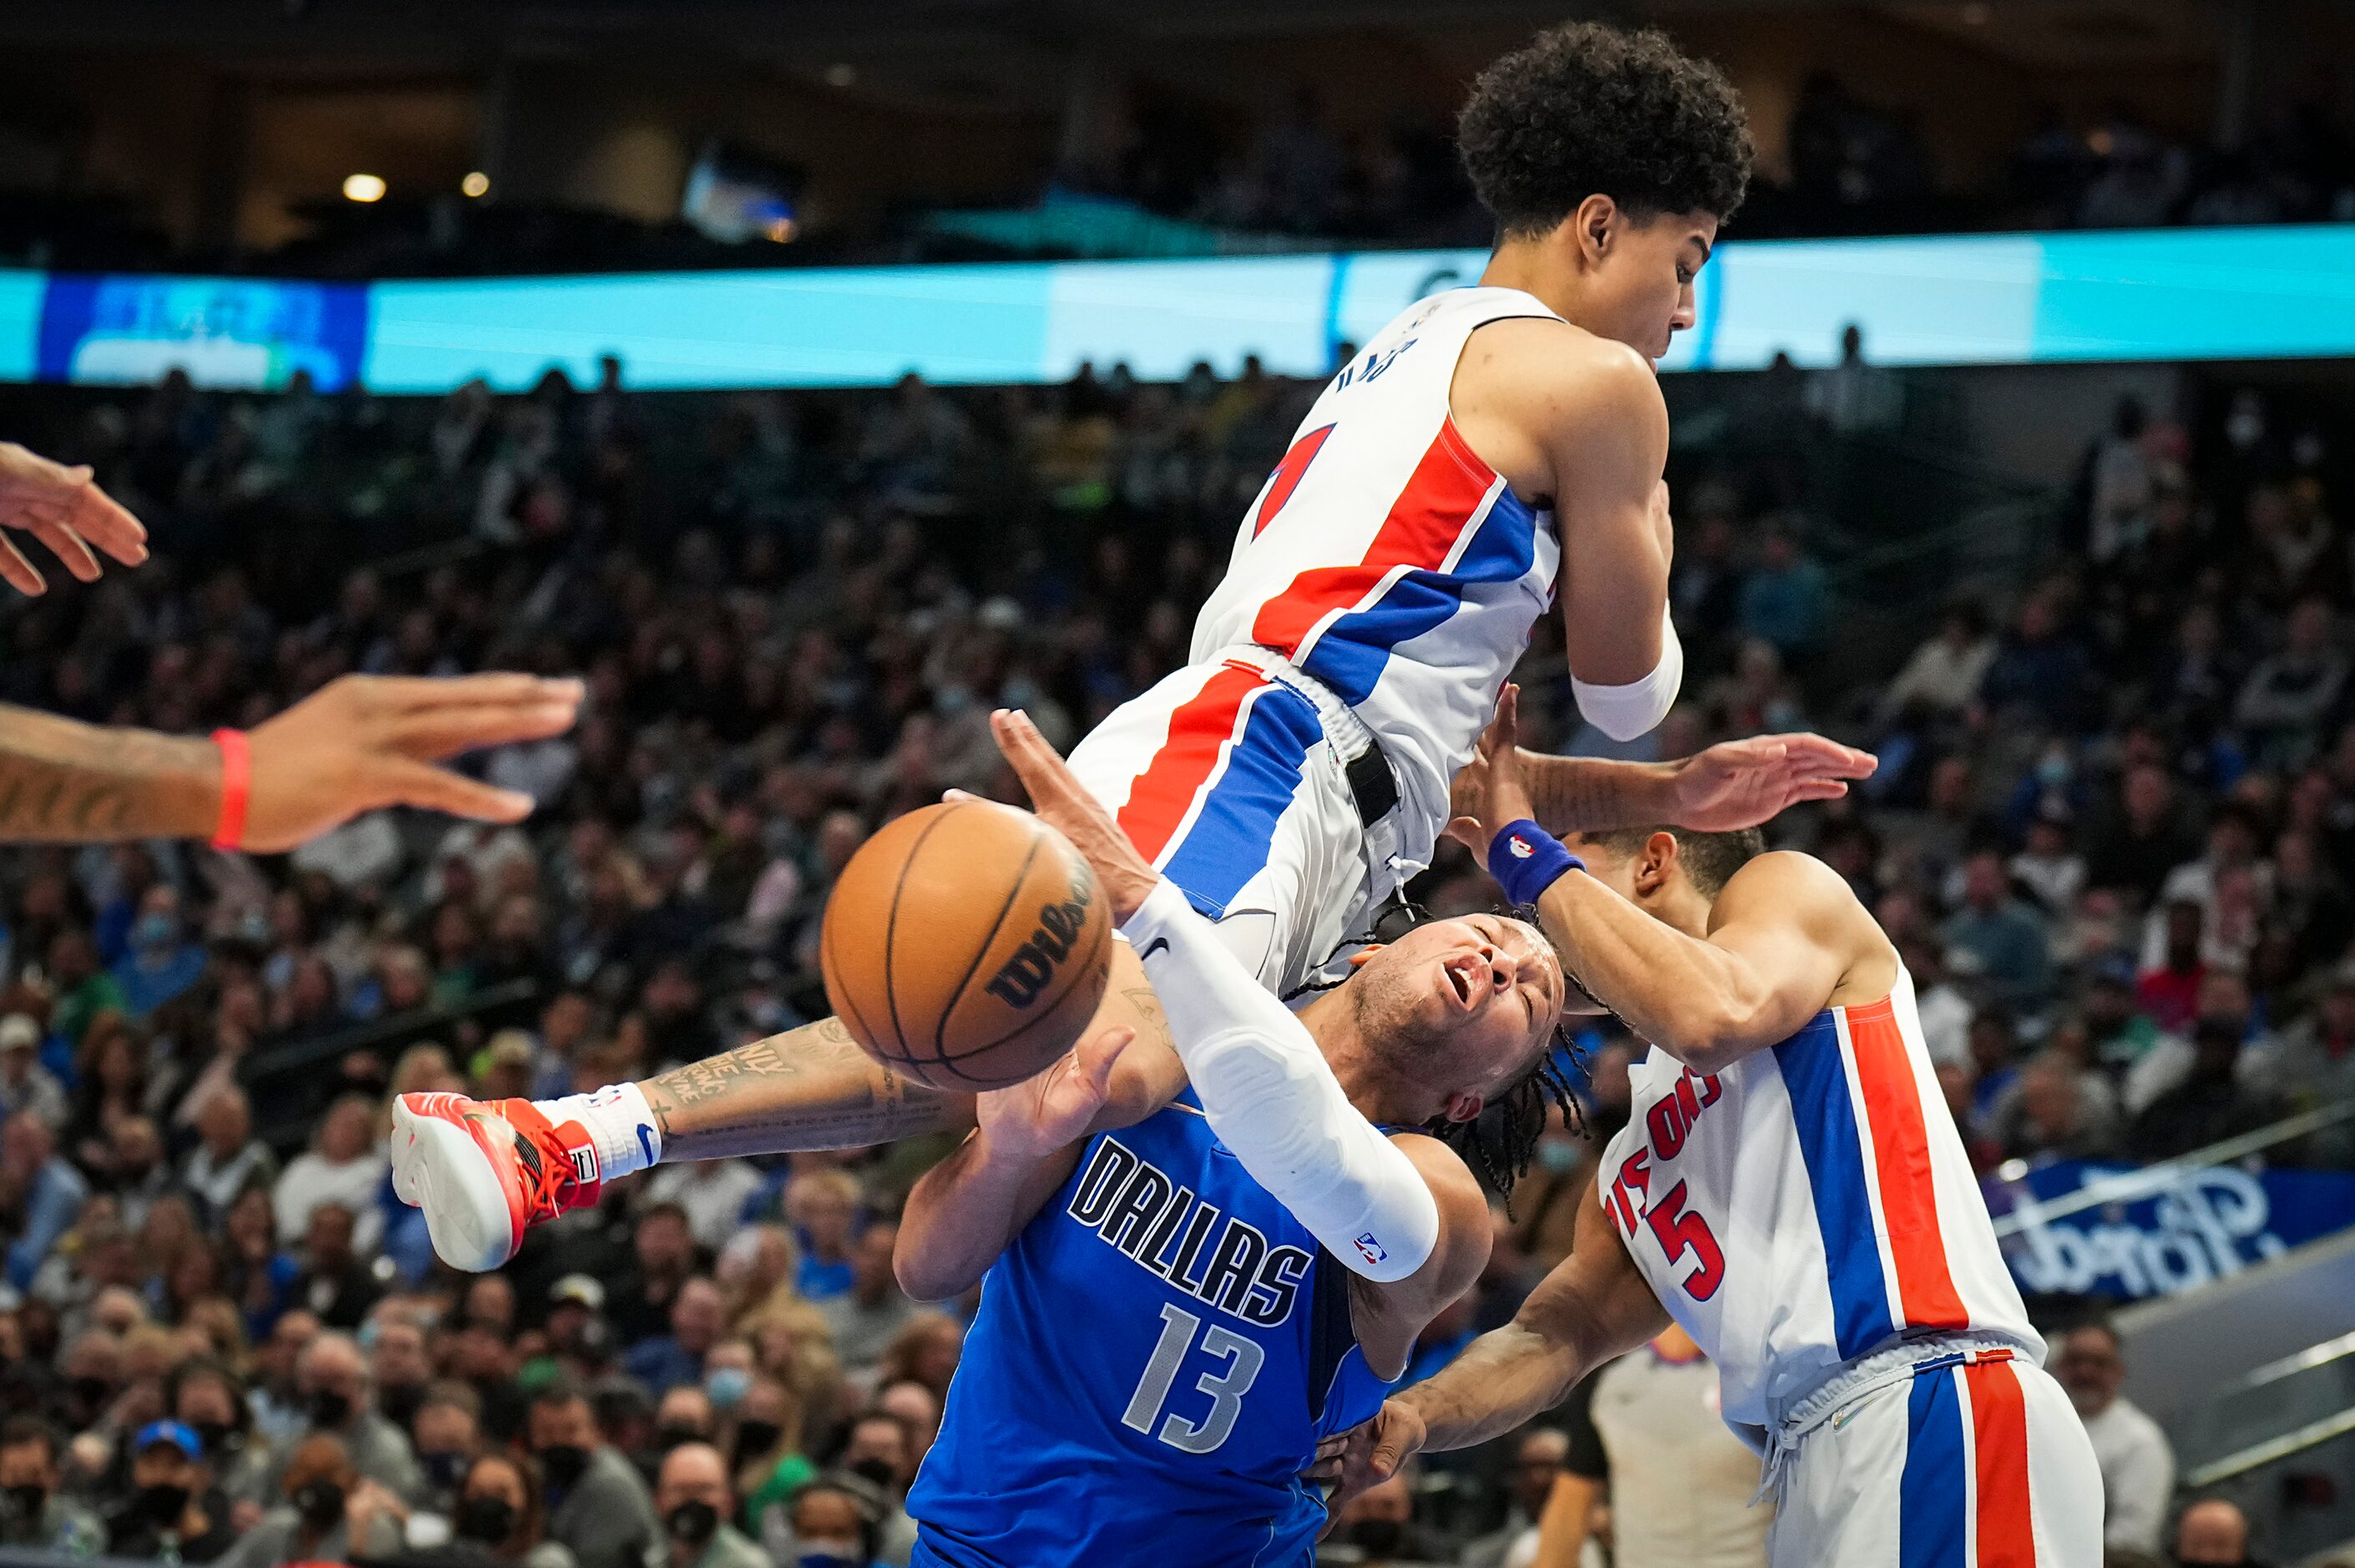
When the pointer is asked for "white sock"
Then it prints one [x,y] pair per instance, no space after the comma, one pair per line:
[619,1122]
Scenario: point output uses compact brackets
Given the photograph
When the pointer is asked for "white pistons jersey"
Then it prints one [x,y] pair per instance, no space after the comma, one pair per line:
[1809,1205]
[1390,564]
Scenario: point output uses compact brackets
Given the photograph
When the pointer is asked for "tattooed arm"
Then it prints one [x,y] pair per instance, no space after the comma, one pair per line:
[1734,784]
[62,782]
[812,1087]
[353,746]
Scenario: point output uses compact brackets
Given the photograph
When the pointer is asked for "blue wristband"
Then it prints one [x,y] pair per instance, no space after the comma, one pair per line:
[1525,860]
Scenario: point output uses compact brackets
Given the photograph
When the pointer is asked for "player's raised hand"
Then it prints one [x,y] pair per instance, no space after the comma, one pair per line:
[1741,783]
[365,741]
[1490,791]
[1057,795]
[1032,1120]
[64,509]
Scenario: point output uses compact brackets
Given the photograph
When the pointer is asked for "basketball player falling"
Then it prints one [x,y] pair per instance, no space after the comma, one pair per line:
[1790,1189]
[1492,448]
[1176,1310]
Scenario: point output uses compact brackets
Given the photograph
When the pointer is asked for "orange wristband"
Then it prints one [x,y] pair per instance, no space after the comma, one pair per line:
[237,787]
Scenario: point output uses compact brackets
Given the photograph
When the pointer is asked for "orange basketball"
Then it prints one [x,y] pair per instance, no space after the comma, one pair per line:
[966,946]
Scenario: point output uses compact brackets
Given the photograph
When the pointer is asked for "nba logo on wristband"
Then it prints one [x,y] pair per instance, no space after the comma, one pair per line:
[1525,860]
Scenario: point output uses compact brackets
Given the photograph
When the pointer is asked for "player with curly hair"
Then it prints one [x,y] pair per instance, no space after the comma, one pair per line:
[1493,450]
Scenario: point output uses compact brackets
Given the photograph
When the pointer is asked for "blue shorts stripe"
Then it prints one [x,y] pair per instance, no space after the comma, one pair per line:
[1230,839]
[1351,654]
[1816,1078]
[1931,1492]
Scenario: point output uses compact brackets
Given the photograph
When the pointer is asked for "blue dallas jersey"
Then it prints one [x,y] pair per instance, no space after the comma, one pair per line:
[1155,1359]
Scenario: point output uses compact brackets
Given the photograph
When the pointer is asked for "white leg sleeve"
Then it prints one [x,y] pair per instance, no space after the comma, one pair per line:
[1623,713]
[1272,1100]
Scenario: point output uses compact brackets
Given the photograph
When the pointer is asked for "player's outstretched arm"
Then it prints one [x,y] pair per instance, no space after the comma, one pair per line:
[1593,1306]
[1732,785]
[1783,933]
[356,745]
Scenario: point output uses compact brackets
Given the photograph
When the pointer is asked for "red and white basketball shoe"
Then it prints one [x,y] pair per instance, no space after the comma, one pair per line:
[487,1173]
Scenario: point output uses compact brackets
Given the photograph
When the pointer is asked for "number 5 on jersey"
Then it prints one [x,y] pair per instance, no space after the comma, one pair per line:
[1226,1389]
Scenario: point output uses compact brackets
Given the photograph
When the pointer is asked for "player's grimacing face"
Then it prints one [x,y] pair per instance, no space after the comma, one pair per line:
[1647,278]
[1487,984]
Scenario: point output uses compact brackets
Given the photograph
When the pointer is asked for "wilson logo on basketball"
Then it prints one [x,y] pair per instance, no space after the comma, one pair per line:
[1025,975]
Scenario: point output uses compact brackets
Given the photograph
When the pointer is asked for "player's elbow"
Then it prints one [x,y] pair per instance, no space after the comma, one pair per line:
[922,1277]
[1709,1034]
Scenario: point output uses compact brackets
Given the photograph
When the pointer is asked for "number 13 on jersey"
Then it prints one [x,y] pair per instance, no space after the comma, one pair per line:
[1243,1357]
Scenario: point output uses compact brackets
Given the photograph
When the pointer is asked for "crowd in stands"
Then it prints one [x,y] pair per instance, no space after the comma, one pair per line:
[2115,839]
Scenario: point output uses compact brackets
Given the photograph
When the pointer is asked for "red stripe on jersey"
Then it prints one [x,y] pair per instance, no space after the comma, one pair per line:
[1901,1158]
[1287,475]
[2007,1526]
[1440,496]
[1199,729]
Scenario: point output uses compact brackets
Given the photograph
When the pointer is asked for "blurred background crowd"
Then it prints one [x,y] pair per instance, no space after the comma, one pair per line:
[2114,832]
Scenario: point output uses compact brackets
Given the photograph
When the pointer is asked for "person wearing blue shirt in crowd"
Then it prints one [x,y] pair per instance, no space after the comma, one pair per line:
[162,963]
[40,1194]
[698,1317]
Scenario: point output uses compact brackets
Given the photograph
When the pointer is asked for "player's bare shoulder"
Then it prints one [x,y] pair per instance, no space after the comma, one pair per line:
[1793,888]
[1530,389]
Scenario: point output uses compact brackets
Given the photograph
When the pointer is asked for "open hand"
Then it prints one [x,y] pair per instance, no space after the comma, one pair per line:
[1057,796]
[65,510]
[1033,1119]
[365,741]
[1490,791]
[1743,783]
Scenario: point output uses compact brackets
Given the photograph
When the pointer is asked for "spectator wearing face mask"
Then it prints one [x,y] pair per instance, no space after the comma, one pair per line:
[332,1514]
[766,1450]
[338,1402]
[448,1433]
[833,1526]
[209,1399]
[162,963]
[500,1516]
[685,1415]
[880,1451]
[33,1512]
[2136,1462]
[174,1513]
[692,1495]
[2214,1533]
[597,1504]
[400,1370]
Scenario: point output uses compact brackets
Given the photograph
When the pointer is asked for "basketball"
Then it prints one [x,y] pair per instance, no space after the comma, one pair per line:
[966,945]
